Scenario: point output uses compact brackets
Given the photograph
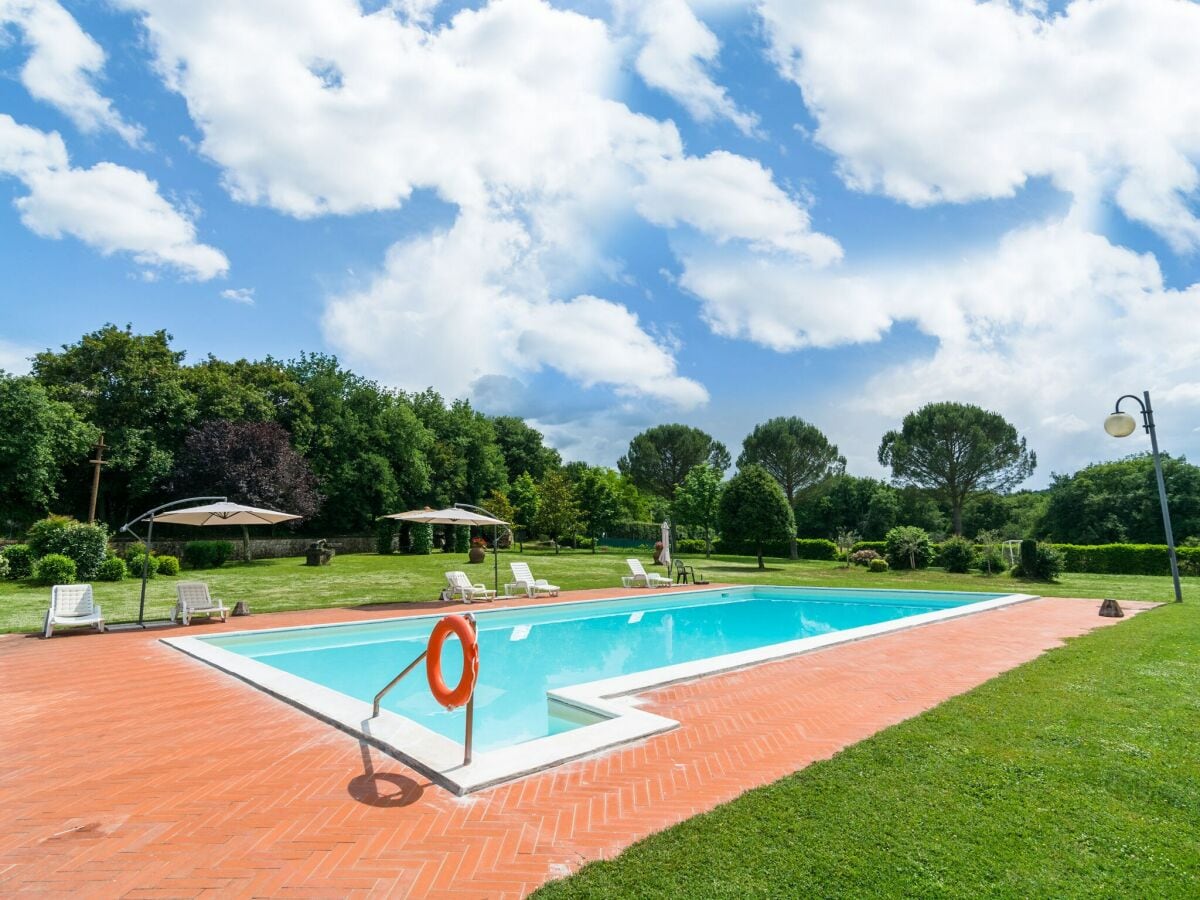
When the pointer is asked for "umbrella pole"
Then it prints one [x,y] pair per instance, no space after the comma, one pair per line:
[496,559]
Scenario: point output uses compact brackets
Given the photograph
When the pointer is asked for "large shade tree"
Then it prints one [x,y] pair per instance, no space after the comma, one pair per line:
[660,457]
[755,511]
[795,453]
[524,448]
[698,501]
[39,439]
[1118,501]
[249,462]
[558,508]
[955,450]
[598,490]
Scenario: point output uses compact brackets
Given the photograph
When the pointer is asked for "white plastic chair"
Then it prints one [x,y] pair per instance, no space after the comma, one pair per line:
[533,587]
[459,586]
[639,577]
[72,605]
[193,599]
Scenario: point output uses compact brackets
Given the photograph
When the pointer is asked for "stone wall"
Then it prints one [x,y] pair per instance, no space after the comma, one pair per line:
[266,548]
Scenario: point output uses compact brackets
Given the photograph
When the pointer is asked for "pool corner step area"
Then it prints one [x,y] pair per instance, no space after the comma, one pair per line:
[557,680]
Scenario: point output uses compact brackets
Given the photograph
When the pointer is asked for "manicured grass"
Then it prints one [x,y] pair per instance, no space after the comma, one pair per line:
[353,580]
[1076,775]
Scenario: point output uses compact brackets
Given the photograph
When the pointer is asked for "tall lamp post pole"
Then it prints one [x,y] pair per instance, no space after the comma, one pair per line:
[1121,424]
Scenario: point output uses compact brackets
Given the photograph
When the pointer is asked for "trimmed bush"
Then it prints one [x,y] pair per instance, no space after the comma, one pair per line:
[878,565]
[689,545]
[54,568]
[909,547]
[816,548]
[206,554]
[385,537]
[168,565]
[1127,559]
[3,567]
[1041,563]
[864,557]
[134,562]
[112,569]
[462,538]
[86,544]
[422,538]
[879,547]
[957,555]
[990,560]
[20,560]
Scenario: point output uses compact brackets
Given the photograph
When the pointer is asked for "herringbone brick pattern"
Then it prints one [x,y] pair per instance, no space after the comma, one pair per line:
[128,769]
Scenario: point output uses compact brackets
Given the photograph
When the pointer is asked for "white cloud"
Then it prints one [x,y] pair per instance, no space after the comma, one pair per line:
[501,320]
[509,112]
[14,358]
[63,64]
[107,206]
[952,100]
[728,197]
[676,52]
[244,296]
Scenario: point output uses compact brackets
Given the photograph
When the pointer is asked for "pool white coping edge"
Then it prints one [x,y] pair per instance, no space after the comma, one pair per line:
[441,759]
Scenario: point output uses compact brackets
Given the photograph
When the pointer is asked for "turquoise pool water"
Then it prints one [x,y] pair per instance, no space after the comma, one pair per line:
[526,652]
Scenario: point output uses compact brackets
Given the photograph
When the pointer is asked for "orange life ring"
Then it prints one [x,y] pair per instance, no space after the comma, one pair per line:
[462,692]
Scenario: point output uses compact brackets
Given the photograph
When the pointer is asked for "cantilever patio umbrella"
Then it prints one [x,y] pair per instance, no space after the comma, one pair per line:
[455,515]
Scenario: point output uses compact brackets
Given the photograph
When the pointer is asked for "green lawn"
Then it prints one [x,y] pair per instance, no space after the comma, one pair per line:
[1076,775]
[282,584]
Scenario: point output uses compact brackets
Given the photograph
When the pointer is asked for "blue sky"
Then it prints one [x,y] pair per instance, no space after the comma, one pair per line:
[602,216]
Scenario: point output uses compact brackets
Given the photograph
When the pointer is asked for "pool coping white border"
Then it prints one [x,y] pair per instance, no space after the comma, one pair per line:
[441,759]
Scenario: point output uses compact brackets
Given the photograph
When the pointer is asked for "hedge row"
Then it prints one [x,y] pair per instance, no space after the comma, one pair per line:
[1127,559]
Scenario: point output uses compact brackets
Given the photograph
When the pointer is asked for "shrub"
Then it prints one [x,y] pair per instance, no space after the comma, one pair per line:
[112,569]
[3,567]
[990,560]
[689,545]
[385,536]
[584,543]
[816,548]
[879,565]
[462,538]
[54,568]
[864,557]
[1041,563]
[50,535]
[137,559]
[909,547]
[957,555]
[20,560]
[1127,559]
[167,564]
[206,554]
[422,538]
[879,547]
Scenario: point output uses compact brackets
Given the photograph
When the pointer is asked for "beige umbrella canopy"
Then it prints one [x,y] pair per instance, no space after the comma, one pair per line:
[456,516]
[450,516]
[225,513]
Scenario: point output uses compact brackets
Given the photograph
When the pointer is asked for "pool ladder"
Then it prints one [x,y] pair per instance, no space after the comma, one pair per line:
[470,617]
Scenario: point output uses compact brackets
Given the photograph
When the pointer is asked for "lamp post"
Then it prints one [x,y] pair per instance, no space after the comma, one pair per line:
[1122,424]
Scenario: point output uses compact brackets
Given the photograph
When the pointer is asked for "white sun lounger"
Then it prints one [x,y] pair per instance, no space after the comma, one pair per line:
[192,599]
[72,605]
[523,580]
[459,587]
[639,577]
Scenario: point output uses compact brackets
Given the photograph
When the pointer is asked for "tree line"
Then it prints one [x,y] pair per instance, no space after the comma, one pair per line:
[311,437]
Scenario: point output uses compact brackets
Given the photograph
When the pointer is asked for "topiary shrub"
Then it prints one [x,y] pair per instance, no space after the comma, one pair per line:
[957,555]
[88,546]
[385,537]
[462,538]
[54,568]
[137,559]
[206,554]
[20,560]
[3,567]
[990,560]
[421,541]
[112,569]
[816,548]
[909,547]
[1041,563]
[878,565]
[864,557]
[167,564]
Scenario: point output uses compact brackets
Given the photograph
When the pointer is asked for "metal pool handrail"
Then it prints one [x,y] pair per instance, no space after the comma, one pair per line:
[470,703]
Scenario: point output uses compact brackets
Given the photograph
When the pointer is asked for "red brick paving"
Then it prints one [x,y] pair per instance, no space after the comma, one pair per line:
[128,769]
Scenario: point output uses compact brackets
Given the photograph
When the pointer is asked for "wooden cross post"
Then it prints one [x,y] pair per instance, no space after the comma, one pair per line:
[96,464]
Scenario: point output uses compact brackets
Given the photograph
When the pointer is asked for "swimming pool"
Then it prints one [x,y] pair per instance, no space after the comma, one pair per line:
[554,679]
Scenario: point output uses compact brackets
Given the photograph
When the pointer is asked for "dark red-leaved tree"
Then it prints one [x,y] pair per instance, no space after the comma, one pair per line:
[249,462]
